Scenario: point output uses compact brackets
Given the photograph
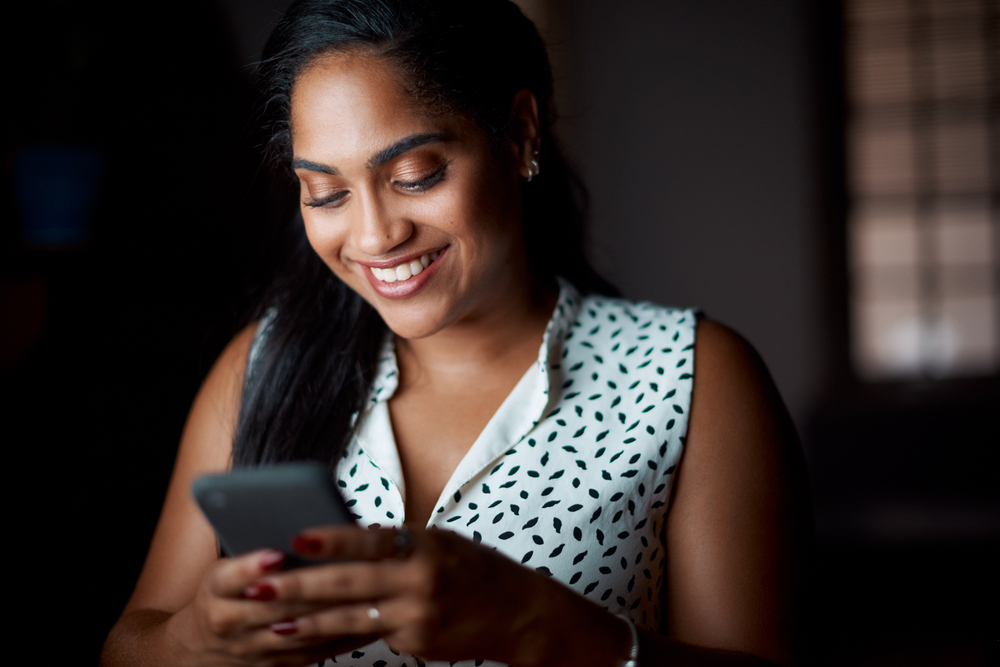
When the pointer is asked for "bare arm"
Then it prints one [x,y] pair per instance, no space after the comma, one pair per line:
[183,546]
[740,524]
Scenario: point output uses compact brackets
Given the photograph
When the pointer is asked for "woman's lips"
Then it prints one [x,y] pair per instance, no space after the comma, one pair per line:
[402,279]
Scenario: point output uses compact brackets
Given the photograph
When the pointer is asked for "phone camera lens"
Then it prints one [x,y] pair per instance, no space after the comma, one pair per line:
[217,499]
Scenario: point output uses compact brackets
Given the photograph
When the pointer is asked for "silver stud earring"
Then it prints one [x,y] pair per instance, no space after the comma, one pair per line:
[533,167]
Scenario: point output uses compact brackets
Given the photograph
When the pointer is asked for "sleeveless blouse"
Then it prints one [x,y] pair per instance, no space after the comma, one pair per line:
[572,474]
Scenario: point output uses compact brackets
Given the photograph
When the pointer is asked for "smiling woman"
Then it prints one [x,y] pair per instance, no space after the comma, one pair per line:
[439,341]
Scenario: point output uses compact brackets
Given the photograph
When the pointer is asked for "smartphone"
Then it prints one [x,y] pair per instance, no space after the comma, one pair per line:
[266,507]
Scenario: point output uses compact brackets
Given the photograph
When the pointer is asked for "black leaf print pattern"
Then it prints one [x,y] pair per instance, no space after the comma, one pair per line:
[613,390]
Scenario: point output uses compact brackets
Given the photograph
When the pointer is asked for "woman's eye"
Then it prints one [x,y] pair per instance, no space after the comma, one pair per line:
[331,200]
[423,184]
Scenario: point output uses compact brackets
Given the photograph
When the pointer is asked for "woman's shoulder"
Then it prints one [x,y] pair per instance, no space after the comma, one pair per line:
[217,405]
[674,346]
[228,371]
[729,367]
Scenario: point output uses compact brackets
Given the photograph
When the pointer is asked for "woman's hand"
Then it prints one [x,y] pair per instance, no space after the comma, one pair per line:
[434,594]
[235,619]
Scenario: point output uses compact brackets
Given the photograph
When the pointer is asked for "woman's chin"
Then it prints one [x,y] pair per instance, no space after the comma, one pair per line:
[412,325]
[418,316]
[412,332]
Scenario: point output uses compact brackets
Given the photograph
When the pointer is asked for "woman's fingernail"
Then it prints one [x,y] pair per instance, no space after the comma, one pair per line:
[285,628]
[307,545]
[270,561]
[261,591]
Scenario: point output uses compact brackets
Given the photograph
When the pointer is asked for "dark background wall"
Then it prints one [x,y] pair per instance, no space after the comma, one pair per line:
[709,135]
[691,123]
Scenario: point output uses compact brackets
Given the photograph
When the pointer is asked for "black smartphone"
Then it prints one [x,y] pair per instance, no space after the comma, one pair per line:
[266,507]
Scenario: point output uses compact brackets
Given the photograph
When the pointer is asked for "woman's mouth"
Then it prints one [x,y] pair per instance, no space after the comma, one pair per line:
[407,277]
[404,271]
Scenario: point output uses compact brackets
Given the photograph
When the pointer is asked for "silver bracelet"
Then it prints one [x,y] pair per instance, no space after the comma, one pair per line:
[633,655]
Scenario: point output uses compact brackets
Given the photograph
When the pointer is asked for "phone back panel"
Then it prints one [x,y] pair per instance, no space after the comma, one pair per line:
[267,507]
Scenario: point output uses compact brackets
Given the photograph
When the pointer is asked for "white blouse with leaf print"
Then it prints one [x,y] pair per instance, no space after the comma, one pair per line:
[572,474]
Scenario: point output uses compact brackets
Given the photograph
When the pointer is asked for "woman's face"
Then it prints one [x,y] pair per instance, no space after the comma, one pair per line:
[418,213]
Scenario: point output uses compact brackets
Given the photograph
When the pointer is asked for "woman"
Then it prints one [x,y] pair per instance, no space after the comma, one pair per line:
[429,340]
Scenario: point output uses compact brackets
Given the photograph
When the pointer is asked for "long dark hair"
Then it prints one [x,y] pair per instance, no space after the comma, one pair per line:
[314,367]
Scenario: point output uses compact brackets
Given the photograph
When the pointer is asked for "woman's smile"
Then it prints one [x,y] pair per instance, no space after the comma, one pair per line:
[393,271]
[399,279]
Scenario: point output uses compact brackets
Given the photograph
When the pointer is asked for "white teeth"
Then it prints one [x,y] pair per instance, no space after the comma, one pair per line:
[406,270]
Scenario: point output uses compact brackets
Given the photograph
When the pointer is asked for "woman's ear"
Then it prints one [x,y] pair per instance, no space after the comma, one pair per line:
[527,134]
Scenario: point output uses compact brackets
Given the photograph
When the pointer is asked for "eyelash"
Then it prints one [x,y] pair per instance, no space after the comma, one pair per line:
[422,185]
[327,201]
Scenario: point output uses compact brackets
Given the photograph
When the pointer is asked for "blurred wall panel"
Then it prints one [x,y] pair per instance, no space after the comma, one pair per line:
[691,123]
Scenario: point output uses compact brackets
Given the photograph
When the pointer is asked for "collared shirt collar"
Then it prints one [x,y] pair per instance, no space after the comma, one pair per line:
[526,405]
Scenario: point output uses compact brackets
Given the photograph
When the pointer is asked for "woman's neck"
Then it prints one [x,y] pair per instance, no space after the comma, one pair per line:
[506,334]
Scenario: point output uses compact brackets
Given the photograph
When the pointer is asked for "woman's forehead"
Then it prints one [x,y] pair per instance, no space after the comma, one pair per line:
[352,104]
[345,108]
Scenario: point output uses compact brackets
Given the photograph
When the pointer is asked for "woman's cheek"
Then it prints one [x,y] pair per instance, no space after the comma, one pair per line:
[324,243]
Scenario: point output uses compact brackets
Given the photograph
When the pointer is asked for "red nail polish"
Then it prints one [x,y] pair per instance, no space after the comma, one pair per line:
[270,561]
[307,545]
[285,628]
[262,592]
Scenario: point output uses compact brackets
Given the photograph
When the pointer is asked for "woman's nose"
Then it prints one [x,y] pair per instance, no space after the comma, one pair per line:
[379,227]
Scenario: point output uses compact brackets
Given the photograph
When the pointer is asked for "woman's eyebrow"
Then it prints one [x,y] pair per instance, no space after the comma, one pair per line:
[403,145]
[380,158]
[299,163]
